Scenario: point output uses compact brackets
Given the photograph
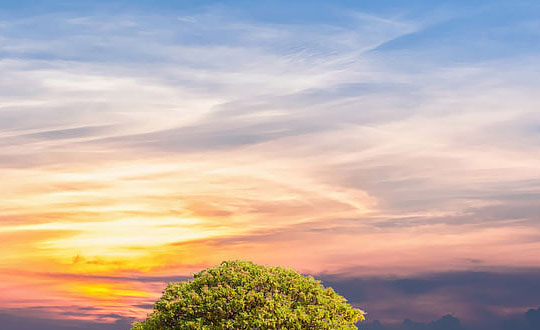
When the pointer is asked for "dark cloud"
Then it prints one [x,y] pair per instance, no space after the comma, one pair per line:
[526,321]
[474,296]
[533,318]
[529,321]
[447,322]
[27,322]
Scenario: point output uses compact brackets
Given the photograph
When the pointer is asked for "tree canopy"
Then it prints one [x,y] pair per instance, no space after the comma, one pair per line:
[242,295]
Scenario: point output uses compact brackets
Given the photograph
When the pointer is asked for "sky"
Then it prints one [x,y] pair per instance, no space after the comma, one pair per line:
[388,148]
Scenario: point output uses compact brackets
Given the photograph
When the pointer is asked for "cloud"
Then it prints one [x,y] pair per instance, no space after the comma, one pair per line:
[135,278]
[481,298]
[26,322]
[140,146]
[450,322]
[501,295]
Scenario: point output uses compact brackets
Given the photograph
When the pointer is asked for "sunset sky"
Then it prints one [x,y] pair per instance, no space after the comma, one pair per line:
[390,148]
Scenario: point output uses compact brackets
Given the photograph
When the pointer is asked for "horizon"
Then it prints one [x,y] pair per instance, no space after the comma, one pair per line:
[390,149]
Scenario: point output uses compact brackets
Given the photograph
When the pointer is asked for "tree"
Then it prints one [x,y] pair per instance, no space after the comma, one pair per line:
[242,295]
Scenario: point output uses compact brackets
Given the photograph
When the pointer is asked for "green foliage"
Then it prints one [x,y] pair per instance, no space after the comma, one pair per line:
[242,295]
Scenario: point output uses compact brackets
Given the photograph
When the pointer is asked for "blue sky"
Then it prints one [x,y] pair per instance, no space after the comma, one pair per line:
[458,31]
[388,144]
